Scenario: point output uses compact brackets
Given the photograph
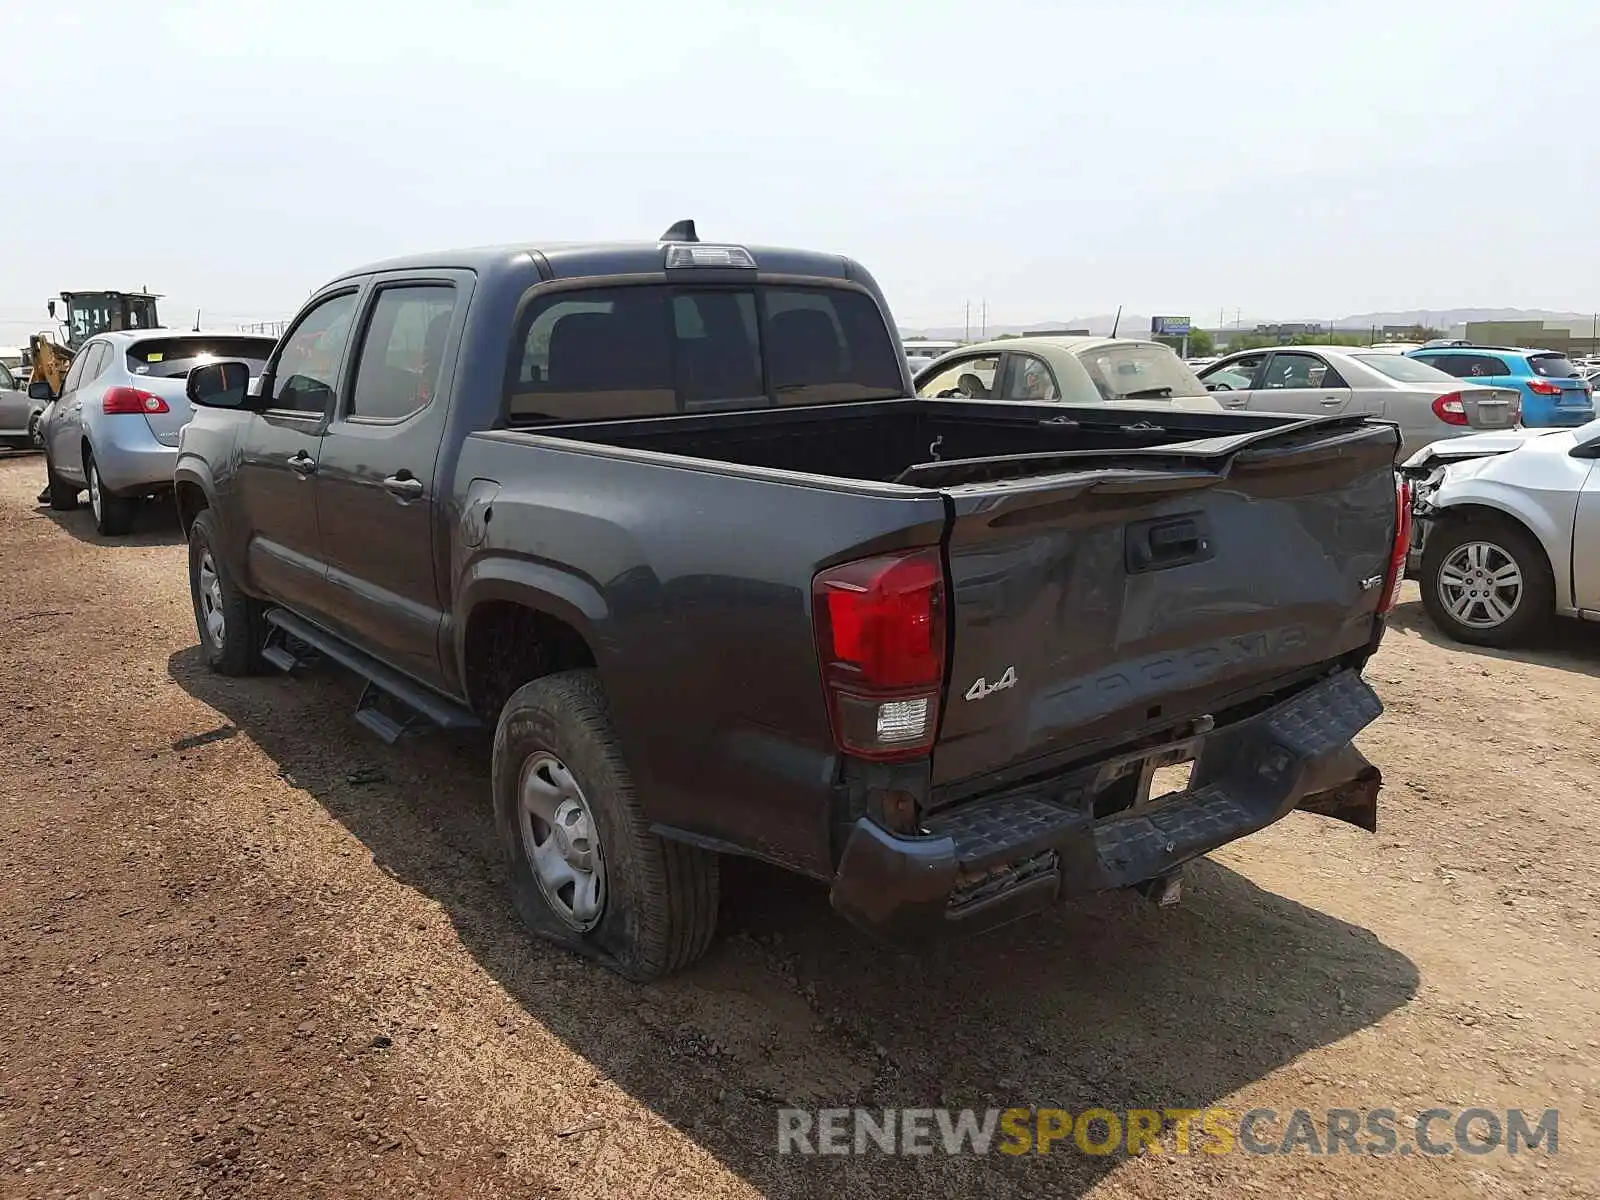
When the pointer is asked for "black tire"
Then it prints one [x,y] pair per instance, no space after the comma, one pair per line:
[660,897]
[63,495]
[113,515]
[237,651]
[1534,606]
[35,430]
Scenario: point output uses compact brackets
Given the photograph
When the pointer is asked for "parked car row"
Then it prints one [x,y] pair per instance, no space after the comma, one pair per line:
[113,430]
[1426,403]
[19,412]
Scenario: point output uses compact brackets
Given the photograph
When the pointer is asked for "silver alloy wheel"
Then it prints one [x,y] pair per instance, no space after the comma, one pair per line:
[211,600]
[561,841]
[94,490]
[36,430]
[1480,585]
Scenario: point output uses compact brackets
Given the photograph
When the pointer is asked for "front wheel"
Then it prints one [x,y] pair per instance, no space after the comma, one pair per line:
[586,870]
[1487,581]
[230,623]
[113,515]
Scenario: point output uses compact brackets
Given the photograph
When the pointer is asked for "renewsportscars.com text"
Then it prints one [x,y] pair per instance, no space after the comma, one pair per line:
[1016,1131]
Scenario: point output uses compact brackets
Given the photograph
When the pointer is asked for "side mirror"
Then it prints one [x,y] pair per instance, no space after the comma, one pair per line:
[218,385]
[40,389]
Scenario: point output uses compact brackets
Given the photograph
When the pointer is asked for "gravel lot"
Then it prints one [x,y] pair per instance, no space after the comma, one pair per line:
[247,948]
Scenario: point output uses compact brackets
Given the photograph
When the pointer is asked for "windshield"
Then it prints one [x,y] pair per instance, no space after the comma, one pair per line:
[1140,371]
[1553,366]
[1406,370]
[171,357]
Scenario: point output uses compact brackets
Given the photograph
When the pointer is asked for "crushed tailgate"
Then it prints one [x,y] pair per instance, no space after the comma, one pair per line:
[1123,594]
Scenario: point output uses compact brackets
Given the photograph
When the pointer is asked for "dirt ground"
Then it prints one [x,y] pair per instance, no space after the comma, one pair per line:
[245,948]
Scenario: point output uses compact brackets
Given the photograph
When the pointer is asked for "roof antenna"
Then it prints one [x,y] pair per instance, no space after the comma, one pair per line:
[683,231]
[1117,321]
[197,320]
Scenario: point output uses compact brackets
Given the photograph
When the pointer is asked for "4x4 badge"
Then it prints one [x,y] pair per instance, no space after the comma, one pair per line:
[983,687]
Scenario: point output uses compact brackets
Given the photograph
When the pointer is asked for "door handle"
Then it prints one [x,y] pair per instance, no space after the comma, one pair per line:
[404,487]
[302,464]
[1331,401]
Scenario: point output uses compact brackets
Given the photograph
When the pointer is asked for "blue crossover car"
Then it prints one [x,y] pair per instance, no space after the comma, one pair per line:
[1554,392]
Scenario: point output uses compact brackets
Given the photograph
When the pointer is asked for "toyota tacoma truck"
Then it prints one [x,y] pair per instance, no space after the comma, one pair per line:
[668,518]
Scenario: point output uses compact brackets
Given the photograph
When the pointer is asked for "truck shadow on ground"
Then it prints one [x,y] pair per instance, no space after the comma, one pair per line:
[155,523]
[1567,645]
[1109,1004]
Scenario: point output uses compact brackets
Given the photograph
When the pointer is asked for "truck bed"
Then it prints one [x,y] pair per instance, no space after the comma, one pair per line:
[1131,569]
[901,441]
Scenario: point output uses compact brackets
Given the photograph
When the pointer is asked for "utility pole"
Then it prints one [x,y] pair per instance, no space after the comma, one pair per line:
[983,322]
[967,336]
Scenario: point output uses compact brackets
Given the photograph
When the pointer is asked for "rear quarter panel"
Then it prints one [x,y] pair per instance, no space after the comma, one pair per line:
[692,587]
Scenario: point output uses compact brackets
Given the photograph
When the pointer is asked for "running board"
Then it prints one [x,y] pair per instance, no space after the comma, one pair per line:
[391,705]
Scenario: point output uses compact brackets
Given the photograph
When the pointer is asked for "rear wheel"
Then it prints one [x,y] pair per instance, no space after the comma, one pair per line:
[36,430]
[587,872]
[1486,581]
[113,515]
[230,624]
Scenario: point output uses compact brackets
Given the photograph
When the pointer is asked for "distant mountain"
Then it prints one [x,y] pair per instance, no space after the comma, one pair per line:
[1135,325]
[1449,317]
[1131,325]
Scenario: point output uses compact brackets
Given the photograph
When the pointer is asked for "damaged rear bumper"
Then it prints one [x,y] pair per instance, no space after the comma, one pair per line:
[1004,857]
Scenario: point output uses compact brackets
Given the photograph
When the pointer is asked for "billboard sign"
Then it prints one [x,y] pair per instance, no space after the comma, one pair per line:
[1169,326]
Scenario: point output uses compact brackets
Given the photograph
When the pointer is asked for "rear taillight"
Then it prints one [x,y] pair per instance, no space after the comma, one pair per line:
[1543,387]
[1401,547]
[122,400]
[880,626]
[1450,409]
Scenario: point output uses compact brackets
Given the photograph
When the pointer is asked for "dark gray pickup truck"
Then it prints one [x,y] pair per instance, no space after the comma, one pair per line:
[667,517]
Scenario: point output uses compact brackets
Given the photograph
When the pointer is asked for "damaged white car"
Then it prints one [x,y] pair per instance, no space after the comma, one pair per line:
[1507,531]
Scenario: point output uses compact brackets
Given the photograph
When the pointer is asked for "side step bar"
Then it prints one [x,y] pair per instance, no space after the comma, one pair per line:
[391,705]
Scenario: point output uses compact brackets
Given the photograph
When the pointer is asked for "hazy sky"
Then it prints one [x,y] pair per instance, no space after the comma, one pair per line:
[1056,159]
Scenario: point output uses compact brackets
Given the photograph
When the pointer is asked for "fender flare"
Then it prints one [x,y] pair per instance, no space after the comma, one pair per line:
[540,586]
[194,471]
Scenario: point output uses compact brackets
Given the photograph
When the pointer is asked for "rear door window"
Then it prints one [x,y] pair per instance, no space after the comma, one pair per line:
[1467,366]
[1300,371]
[599,353]
[1030,379]
[402,351]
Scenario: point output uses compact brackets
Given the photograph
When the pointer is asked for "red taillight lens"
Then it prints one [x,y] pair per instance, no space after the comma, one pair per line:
[1402,547]
[1543,387]
[1450,409]
[121,400]
[880,626]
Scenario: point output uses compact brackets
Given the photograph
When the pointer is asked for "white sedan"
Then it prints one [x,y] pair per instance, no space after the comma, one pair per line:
[1426,403]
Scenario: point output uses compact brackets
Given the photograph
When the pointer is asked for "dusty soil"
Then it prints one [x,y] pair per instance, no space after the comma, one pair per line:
[245,948]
